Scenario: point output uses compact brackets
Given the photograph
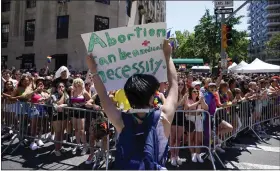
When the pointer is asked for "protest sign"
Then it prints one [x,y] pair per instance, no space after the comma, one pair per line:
[122,52]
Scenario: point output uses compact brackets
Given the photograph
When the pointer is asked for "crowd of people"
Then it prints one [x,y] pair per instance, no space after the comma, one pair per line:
[192,92]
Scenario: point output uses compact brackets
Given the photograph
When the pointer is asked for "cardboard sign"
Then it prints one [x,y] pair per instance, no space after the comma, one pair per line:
[122,52]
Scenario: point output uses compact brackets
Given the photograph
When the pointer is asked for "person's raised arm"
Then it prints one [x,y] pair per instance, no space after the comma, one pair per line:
[169,107]
[162,98]
[110,109]
[204,106]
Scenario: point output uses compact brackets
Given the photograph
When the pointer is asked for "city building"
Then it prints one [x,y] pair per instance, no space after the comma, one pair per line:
[147,11]
[264,22]
[32,30]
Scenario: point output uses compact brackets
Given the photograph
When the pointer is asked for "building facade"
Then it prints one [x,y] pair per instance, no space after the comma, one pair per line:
[264,22]
[147,11]
[32,30]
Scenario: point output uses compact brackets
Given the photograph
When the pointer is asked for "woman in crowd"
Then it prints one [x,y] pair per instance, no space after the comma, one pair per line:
[36,112]
[244,87]
[62,75]
[195,102]
[59,99]
[140,89]
[78,99]
[9,108]
[232,86]
[188,81]
[16,75]
[205,83]
[274,91]
[223,100]
[23,93]
[6,76]
[177,128]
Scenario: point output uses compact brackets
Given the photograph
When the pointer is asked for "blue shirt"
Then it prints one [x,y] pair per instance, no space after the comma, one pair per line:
[210,101]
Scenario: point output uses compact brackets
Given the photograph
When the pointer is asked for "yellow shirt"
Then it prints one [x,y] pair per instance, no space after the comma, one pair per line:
[120,98]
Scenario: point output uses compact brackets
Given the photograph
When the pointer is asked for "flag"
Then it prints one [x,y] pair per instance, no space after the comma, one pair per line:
[172,44]
[49,59]
[168,34]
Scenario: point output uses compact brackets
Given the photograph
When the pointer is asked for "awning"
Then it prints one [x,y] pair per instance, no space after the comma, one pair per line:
[188,61]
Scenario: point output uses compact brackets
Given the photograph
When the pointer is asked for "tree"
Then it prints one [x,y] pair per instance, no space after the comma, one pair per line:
[273,46]
[205,41]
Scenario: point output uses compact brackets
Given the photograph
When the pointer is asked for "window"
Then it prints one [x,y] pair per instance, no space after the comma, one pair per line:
[101,23]
[62,27]
[5,29]
[6,5]
[103,1]
[29,30]
[4,60]
[30,3]
[27,61]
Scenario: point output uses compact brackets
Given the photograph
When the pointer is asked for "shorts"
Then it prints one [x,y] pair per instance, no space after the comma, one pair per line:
[178,119]
[197,120]
[189,126]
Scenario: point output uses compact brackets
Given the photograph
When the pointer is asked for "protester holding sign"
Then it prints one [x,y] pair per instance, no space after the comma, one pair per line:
[139,90]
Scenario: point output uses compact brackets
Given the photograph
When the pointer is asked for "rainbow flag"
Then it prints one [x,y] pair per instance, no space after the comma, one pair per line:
[49,59]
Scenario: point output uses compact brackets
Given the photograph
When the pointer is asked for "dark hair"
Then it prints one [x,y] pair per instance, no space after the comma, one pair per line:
[5,84]
[23,77]
[231,81]
[40,80]
[139,88]
[7,71]
[190,94]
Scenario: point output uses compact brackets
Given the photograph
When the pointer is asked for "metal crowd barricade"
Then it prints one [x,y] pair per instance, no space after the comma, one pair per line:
[240,116]
[37,121]
[193,123]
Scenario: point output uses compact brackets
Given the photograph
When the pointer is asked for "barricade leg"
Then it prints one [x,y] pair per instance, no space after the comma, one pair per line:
[13,139]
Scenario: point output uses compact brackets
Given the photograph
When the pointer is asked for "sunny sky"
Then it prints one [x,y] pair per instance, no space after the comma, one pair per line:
[185,15]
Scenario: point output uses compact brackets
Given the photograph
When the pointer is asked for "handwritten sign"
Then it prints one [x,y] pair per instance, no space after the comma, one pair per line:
[122,52]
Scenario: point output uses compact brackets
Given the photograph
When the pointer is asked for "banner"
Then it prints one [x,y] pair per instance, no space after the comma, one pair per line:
[122,52]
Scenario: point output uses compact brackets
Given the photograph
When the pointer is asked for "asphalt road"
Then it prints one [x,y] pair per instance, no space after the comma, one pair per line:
[248,153]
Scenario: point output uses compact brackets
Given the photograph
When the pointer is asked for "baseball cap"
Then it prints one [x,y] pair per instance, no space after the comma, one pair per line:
[212,84]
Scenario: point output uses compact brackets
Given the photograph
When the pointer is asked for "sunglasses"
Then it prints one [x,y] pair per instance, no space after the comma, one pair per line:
[195,91]
[180,84]
[60,86]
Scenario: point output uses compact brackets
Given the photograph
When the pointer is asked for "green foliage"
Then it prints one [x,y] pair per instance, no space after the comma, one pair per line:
[205,41]
[273,46]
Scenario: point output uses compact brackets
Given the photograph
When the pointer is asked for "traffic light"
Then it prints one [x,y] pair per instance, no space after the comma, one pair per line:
[226,36]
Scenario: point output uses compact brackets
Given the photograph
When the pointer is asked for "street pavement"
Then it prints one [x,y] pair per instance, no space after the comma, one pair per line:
[247,153]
